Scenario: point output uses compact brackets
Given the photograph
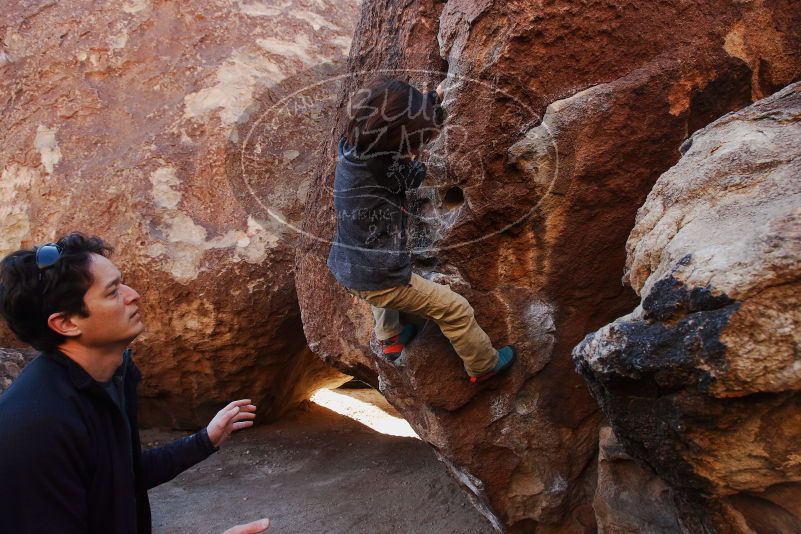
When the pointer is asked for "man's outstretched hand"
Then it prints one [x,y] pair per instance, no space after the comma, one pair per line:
[251,528]
[237,415]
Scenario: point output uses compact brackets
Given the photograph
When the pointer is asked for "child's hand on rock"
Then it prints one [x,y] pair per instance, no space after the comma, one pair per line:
[441,89]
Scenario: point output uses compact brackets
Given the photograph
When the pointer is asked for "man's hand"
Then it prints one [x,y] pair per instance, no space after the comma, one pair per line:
[251,528]
[237,415]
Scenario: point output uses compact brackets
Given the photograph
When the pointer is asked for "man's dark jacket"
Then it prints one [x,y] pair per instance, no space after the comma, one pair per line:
[70,459]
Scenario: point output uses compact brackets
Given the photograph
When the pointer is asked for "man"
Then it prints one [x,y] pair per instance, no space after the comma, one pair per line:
[70,455]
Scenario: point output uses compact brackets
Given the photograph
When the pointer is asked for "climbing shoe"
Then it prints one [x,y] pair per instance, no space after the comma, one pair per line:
[506,355]
[393,347]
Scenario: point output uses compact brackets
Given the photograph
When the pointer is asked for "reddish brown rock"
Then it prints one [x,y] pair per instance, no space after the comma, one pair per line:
[562,117]
[701,381]
[630,498]
[123,119]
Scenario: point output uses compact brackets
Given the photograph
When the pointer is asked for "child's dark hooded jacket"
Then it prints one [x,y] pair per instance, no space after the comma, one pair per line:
[369,249]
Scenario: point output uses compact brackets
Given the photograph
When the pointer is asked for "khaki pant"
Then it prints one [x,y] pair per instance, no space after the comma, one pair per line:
[451,311]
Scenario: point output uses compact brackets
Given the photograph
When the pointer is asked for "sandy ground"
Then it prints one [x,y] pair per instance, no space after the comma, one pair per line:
[317,471]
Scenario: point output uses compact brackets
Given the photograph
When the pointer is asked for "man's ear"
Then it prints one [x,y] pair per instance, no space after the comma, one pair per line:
[63,324]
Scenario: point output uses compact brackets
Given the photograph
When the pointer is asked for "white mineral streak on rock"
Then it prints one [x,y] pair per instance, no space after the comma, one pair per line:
[45,143]
[16,46]
[236,81]
[287,9]
[117,42]
[258,9]
[316,20]
[164,180]
[135,6]
[343,42]
[184,242]
[254,246]
[15,185]
[300,48]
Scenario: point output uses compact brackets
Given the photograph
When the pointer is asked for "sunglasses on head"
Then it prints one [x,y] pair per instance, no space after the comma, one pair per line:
[47,256]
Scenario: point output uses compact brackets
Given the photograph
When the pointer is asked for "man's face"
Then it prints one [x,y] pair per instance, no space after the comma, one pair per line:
[113,308]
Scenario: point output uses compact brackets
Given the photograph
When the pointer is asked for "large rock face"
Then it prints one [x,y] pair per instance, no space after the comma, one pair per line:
[702,381]
[130,120]
[562,115]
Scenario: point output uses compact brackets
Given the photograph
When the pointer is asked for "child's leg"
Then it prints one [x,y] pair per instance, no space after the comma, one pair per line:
[449,310]
[387,323]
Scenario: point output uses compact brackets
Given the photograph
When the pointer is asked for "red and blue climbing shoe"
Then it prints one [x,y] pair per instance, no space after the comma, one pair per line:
[506,355]
[393,347]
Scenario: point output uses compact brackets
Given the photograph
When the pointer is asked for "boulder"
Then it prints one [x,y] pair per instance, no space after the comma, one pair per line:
[702,381]
[134,120]
[561,118]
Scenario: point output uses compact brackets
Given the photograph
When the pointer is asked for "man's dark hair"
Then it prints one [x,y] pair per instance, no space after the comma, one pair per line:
[28,295]
[392,117]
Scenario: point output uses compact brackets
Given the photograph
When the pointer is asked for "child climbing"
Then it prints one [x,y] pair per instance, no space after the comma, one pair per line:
[388,125]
